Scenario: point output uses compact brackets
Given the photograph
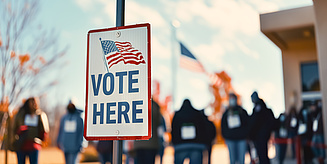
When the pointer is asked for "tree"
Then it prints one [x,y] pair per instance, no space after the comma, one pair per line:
[29,53]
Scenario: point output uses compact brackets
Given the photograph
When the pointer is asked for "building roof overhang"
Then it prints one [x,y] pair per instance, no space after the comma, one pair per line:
[287,26]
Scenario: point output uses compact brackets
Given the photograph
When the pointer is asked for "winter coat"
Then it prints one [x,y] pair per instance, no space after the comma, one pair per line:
[30,130]
[262,122]
[70,135]
[153,142]
[281,131]
[319,118]
[240,131]
[188,126]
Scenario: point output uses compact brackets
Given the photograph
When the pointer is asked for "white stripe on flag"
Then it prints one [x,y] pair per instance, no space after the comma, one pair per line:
[191,64]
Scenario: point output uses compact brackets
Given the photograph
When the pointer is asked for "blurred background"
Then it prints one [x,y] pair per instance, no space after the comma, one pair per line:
[43,53]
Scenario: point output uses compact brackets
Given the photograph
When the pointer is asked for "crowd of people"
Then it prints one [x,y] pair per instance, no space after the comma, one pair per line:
[192,134]
[250,133]
[305,126]
[244,133]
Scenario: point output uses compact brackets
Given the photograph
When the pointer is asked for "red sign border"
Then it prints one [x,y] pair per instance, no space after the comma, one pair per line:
[147,25]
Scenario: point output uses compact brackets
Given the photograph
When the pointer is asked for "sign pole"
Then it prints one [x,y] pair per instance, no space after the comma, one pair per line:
[118,144]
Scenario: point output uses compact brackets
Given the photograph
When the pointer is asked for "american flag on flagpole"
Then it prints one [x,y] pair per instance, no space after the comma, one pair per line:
[115,52]
[188,60]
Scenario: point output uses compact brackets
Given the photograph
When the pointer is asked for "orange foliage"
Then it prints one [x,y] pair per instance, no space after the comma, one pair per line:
[36,70]
[23,59]
[12,54]
[30,67]
[0,42]
[3,79]
[42,60]
[4,105]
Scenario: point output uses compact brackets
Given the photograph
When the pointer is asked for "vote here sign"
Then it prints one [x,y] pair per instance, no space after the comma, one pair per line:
[118,83]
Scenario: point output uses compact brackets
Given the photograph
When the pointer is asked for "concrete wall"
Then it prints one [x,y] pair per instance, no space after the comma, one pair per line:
[321,36]
[293,56]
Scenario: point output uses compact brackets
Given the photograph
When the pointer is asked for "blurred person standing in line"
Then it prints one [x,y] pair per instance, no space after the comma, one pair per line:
[188,134]
[105,151]
[31,127]
[162,129]
[281,135]
[234,127]
[292,124]
[263,123]
[146,151]
[318,132]
[70,136]
[210,135]
[305,132]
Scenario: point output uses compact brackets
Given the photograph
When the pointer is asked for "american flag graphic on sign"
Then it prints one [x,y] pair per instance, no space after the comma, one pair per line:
[115,52]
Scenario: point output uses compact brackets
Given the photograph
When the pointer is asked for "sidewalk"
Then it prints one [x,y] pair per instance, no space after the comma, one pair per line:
[46,156]
[55,156]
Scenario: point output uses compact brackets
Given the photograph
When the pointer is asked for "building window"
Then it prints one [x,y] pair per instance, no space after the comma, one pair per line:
[310,77]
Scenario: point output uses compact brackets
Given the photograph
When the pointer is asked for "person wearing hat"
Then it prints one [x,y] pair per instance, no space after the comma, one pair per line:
[70,137]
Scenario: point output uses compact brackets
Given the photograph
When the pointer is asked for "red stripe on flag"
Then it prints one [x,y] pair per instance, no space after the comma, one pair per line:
[191,64]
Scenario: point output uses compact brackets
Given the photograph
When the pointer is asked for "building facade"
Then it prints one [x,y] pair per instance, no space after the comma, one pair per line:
[301,35]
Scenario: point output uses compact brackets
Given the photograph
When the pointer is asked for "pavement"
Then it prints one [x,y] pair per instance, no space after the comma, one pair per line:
[55,156]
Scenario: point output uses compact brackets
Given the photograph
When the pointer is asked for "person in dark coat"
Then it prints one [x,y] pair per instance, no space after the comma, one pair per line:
[263,123]
[305,132]
[146,150]
[292,124]
[318,132]
[105,150]
[210,135]
[281,135]
[188,134]
[234,128]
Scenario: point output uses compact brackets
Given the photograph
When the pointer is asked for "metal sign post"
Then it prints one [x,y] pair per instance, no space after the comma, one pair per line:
[118,83]
[118,144]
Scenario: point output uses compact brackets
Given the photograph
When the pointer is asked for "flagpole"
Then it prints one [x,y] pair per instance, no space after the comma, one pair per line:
[174,69]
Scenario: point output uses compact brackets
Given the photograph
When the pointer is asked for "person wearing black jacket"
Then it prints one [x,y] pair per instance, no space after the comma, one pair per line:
[305,132]
[318,132]
[188,134]
[292,124]
[210,135]
[280,136]
[263,123]
[234,127]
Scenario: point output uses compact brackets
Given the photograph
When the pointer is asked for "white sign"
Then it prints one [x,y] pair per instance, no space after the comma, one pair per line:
[118,84]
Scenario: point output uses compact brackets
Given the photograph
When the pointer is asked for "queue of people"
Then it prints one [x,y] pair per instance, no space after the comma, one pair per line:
[307,125]
[192,134]
[243,133]
[31,128]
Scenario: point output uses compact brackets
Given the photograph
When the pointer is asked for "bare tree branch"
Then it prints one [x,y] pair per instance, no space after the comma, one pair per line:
[27,53]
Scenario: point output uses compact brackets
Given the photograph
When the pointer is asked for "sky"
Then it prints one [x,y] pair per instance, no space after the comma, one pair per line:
[224,35]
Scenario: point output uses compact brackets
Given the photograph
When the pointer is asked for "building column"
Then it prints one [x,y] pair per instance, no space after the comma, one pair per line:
[320,7]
